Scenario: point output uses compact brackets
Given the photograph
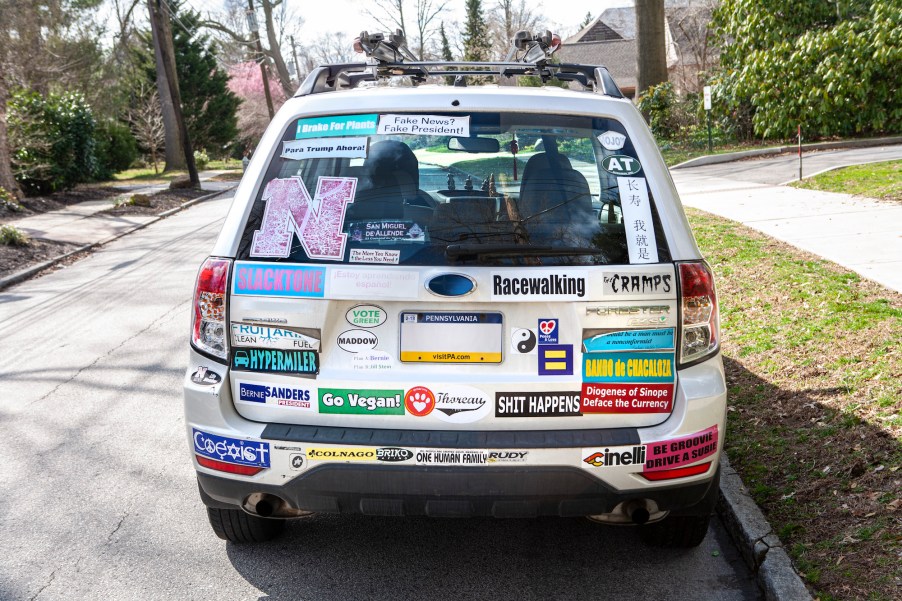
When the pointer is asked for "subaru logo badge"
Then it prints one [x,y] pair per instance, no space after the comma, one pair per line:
[451,284]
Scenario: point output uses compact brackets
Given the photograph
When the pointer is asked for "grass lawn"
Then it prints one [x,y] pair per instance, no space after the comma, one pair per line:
[875,180]
[674,154]
[813,355]
[146,174]
[502,167]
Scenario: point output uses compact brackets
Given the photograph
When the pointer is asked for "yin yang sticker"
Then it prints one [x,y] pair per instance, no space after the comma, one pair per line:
[524,341]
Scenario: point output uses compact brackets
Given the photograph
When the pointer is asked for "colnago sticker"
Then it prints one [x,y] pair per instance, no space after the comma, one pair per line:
[349,148]
[265,279]
[630,283]
[627,398]
[622,367]
[368,283]
[460,404]
[626,340]
[468,457]
[231,450]
[424,125]
[341,454]
[614,456]
[245,334]
[339,125]
[366,316]
[637,222]
[316,221]
[275,361]
[669,454]
[284,396]
[537,404]
[361,402]
[524,341]
[537,285]
[611,140]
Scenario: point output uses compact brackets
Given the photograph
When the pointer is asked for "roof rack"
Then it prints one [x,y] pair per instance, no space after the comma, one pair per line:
[389,57]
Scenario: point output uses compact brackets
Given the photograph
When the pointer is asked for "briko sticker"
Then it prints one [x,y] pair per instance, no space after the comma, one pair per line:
[314,148]
[284,396]
[375,256]
[611,140]
[316,221]
[361,402]
[424,125]
[625,367]
[340,125]
[267,279]
[275,361]
[627,398]
[626,340]
[630,283]
[245,334]
[366,316]
[556,360]
[637,222]
[231,450]
[524,341]
[537,404]
[371,284]
[621,164]
[669,454]
[386,230]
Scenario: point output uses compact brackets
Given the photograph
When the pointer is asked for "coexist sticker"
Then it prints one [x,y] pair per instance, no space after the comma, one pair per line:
[357,341]
[669,454]
[283,396]
[349,148]
[263,279]
[419,401]
[611,140]
[627,398]
[366,316]
[276,361]
[361,402]
[231,450]
[537,404]
[316,221]
[424,125]
[343,125]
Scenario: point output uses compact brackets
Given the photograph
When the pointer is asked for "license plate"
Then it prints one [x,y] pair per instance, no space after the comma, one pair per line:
[451,337]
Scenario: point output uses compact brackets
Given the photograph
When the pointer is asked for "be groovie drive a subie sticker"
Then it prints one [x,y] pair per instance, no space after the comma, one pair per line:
[317,221]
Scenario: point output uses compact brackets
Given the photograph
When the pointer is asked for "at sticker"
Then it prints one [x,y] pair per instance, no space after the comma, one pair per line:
[640,231]
[424,125]
[669,454]
[352,148]
[621,164]
[317,221]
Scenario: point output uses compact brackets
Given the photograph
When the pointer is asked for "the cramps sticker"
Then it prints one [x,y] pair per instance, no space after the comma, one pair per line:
[627,283]
[629,340]
[316,221]
[424,125]
[343,125]
[614,456]
[682,451]
[640,231]
[350,148]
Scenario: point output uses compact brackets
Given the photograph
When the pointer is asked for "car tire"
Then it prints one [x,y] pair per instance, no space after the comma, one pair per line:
[236,526]
[677,531]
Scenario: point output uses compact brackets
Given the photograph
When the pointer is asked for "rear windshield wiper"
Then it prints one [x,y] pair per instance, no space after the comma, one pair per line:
[479,251]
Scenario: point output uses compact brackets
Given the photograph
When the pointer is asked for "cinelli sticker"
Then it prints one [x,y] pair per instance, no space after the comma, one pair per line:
[614,456]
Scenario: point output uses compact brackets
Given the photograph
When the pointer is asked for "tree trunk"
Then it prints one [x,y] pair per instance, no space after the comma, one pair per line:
[175,157]
[7,181]
[275,52]
[651,45]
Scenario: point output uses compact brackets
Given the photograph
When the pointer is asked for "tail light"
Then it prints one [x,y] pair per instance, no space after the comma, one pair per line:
[208,329]
[698,313]
[680,472]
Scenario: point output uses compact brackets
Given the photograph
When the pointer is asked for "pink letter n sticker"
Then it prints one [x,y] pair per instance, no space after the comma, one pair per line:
[317,221]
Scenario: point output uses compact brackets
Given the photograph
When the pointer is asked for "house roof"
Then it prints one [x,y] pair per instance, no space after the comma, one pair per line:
[619,56]
[596,31]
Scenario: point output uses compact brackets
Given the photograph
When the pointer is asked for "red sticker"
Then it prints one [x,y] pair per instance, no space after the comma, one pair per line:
[419,401]
[668,454]
[626,398]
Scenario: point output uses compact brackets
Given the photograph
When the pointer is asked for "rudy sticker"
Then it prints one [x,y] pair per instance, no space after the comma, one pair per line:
[317,221]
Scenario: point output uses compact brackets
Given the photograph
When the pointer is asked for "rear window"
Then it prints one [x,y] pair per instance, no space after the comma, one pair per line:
[478,188]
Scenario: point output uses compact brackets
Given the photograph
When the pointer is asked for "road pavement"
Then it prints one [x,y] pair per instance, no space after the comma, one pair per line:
[100,500]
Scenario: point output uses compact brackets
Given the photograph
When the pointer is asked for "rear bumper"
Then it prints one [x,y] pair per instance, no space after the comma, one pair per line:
[513,492]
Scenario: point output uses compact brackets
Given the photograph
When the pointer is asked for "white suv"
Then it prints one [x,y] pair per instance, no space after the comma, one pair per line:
[455,300]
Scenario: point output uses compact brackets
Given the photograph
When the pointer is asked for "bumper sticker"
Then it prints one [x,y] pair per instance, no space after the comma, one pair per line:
[231,450]
[556,360]
[265,279]
[669,454]
[628,367]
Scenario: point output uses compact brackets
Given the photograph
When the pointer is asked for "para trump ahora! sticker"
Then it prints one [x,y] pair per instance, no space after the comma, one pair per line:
[349,148]
[317,221]
[669,454]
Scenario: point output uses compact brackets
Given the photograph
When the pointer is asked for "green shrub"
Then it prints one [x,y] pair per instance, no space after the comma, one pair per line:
[657,105]
[12,236]
[116,148]
[8,201]
[201,159]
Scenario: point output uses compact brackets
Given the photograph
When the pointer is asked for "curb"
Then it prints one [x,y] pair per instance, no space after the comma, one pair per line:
[834,168]
[727,157]
[21,276]
[760,547]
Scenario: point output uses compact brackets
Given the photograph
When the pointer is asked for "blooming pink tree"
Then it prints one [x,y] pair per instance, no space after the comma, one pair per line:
[246,82]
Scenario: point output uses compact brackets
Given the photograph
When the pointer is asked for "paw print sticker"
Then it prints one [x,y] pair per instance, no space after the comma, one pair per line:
[419,401]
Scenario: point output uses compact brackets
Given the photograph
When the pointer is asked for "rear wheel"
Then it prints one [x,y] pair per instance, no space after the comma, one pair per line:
[236,526]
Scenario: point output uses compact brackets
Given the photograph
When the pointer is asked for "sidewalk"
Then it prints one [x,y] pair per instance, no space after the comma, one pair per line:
[858,233]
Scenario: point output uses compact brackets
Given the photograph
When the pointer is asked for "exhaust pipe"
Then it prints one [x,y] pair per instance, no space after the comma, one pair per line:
[639,515]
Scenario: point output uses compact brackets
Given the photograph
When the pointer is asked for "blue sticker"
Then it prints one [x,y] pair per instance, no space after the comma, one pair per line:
[628,367]
[556,360]
[630,340]
[283,395]
[231,450]
[276,361]
[548,331]
[340,125]
[274,279]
